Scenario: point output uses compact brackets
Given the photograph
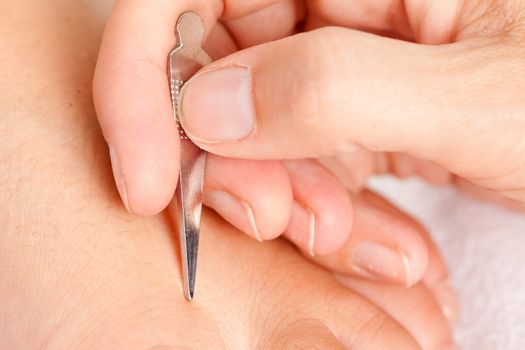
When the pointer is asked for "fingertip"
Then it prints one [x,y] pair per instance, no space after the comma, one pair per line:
[384,245]
[270,194]
[145,162]
[322,215]
[336,222]
[151,192]
[254,196]
[406,240]
[137,121]
[415,255]
[400,232]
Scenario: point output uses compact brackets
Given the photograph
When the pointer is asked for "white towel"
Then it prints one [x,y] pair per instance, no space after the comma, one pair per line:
[484,246]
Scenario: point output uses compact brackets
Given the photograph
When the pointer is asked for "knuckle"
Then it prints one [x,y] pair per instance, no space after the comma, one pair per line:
[314,88]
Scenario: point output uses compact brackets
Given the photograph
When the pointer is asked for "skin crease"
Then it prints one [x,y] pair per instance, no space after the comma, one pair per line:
[79,272]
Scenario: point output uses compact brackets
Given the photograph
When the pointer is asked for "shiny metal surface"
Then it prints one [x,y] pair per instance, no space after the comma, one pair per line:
[183,61]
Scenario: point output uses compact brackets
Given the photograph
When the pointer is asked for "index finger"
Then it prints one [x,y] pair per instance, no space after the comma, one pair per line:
[132,99]
[131,93]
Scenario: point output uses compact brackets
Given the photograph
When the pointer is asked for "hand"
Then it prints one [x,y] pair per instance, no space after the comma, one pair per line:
[78,272]
[449,93]
[262,198]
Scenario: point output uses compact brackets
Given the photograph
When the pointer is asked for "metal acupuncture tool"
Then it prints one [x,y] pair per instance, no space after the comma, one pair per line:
[183,61]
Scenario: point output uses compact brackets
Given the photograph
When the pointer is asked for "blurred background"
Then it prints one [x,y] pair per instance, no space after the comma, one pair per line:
[484,246]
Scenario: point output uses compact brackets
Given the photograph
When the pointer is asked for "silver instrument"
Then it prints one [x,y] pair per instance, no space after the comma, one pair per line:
[183,61]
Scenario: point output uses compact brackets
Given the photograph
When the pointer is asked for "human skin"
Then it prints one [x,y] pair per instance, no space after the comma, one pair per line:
[300,199]
[448,92]
[444,102]
[79,272]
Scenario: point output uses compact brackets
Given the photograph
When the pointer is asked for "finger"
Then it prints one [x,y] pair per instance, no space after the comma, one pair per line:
[353,167]
[403,166]
[356,167]
[132,98]
[131,94]
[318,93]
[414,308]
[361,324]
[238,8]
[383,245]
[427,21]
[271,110]
[435,277]
[254,196]
[321,219]
[372,17]
[273,22]
[387,245]
[219,42]
[485,194]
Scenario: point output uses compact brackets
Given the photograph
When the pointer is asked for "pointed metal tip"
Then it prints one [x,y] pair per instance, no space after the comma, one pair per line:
[191,250]
[192,271]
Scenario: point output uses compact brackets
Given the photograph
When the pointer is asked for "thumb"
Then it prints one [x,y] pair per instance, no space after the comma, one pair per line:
[321,92]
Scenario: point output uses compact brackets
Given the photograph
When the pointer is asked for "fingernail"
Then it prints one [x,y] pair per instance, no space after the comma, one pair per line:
[119,178]
[371,259]
[234,210]
[301,228]
[217,105]
[448,301]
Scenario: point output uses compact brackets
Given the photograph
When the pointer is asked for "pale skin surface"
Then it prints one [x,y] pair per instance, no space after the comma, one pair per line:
[79,272]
